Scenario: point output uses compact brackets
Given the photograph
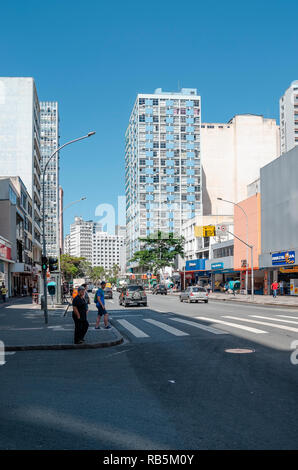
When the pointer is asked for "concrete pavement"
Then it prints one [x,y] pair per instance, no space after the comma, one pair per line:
[22,327]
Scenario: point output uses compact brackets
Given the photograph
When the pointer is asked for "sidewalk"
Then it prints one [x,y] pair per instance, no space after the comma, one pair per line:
[22,327]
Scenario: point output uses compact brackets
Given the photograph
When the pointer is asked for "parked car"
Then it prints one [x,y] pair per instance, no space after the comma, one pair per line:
[194,294]
[108,293]
[133,295]
[160,289]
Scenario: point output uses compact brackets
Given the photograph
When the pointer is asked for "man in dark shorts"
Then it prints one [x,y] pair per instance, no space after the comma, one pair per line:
[100,304]
[79,316]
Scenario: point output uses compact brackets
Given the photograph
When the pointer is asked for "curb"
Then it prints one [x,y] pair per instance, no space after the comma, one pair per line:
[255,303]
[59,347]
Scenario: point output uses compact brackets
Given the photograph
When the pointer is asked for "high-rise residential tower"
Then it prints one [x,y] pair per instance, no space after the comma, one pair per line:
[49,141]
[288,108]
[163,169]
[20,145]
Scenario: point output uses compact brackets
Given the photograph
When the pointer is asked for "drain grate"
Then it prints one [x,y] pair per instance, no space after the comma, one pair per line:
[239,351]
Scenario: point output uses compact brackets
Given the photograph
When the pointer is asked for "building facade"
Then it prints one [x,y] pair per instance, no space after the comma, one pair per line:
[279,222]
[49,142]
[20,145]
[232,155]
[288,110]
[108,250]
[162,164]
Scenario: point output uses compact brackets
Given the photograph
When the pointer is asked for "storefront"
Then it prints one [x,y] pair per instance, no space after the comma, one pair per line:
[283,269]
[5,264]
[221,271]
[195,273]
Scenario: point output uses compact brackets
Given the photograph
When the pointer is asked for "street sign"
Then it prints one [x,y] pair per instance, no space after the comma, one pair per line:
[205,231]
[221,229]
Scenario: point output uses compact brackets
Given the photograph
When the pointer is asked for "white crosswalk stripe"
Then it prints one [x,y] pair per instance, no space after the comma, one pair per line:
[199,325]
[234,325]
[133,329]
[166,327]
[273,325]
[275,319]
[287,316]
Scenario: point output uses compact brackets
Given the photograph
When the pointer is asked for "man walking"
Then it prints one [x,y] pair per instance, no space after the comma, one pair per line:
[3,292]
[274,287]
[100,304]
[79,316]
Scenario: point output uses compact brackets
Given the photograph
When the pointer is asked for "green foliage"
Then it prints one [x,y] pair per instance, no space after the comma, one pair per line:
[159,250]
[72,266]
[97,273]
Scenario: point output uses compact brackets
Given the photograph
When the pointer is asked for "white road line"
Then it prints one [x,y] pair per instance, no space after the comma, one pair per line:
[234,325]
[275,319]
[133,329]
[159,311]
[273,325]
[166,327]
[287,316]
[199,325]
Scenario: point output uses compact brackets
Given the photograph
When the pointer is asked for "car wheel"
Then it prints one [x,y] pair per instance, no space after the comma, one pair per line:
[206,301]
[125,304]
[181,300]
[145,305]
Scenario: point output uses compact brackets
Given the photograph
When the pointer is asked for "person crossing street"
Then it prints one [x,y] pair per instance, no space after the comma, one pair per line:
[79,316]
[100,304]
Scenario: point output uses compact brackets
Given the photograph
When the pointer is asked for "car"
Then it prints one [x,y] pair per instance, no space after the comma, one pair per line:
[108,293]
[94,290]
[194,294]
[133,295]
[160,289]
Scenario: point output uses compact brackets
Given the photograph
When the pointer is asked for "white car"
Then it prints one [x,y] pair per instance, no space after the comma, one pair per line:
[194,294]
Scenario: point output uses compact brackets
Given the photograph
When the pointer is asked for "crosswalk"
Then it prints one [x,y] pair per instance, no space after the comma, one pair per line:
[145,328]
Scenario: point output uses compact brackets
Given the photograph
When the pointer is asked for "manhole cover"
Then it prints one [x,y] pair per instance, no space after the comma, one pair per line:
[239,351]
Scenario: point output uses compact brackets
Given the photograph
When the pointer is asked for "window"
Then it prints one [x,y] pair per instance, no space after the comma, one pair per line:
[141,100]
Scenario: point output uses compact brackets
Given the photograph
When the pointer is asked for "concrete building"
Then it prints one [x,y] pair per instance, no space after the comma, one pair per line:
[66,247]
[108,251]
[16,227]
[81,237]
[279,222]
[49,141]
[20,145]
[61,227]
[162,164]
[232,155]
[288,110]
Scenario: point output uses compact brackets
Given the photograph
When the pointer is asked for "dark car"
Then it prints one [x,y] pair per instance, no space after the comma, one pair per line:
[108,293]
[160,289]
[133,295]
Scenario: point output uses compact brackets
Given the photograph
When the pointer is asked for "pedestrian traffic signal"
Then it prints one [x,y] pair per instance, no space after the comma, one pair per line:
[44,263]
[53,264]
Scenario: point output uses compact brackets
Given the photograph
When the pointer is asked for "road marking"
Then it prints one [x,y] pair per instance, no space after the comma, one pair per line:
[160,311]
[199,325]
[234,325]
[287,316]
[167,328]
[275,319]
[282,327]
[133,329]
[9,353]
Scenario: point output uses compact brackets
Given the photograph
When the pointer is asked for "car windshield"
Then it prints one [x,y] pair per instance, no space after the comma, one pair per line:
[198,289]
[134,288]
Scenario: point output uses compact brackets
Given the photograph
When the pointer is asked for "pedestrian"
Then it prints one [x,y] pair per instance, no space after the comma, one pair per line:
[79,316]
[274,287]
[86,296]
[100,304]
[281,287]
[3,292]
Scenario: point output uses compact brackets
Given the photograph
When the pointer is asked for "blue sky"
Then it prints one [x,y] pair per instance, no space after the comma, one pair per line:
[94,57]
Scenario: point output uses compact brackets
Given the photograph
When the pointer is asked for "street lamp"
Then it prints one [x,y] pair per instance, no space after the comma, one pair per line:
[246,272]
[44,251]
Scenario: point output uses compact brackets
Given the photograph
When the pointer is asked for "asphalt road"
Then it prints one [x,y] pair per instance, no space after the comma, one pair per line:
[171,385]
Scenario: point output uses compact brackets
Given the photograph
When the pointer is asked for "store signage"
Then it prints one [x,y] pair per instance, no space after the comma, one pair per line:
[290,269]
[5,251]
[283,257]
[195,265]
[217,265]
[204,231]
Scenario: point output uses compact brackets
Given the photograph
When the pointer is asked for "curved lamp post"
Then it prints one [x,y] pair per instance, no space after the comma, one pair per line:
[44,251]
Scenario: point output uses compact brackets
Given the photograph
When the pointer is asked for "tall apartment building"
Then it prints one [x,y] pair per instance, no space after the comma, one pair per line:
[162,164]
[81,237]
[288,110]
[232,155]
[20,145]
[108,250]
[49,141]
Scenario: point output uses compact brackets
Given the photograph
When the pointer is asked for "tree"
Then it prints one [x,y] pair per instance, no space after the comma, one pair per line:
[72,266]
[159,251]
[97,273]
[112,274]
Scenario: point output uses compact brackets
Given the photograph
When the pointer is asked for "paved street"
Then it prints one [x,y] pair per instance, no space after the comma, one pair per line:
[170,385]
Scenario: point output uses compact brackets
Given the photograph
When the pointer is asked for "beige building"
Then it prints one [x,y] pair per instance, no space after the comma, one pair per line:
[232,155]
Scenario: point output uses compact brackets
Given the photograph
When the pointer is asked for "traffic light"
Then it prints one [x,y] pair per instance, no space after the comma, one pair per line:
[44,263]
[53,264]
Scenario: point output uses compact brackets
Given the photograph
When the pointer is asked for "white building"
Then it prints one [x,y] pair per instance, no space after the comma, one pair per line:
[81,238]
[49,142]
[20,145]
[288,109]
[232,155]
[108,250]
[66,248]
[163,166]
